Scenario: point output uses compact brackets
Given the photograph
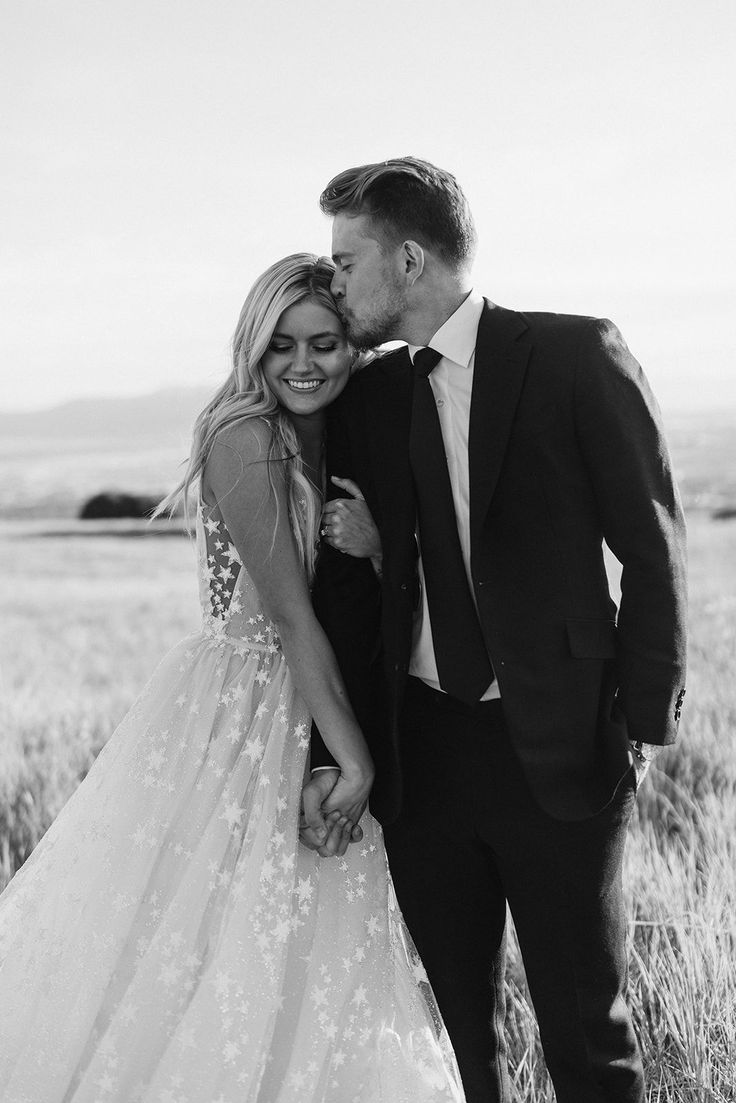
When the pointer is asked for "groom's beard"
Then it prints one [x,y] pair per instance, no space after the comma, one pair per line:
[382,322]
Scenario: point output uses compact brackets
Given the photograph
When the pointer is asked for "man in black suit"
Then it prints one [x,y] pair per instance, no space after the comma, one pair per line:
[510,711]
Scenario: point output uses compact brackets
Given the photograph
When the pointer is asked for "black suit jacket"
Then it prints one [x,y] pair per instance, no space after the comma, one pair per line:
[565,450]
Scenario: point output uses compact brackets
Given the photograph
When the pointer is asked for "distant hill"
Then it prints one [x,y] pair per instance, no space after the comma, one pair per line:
[52,461]
[165,416]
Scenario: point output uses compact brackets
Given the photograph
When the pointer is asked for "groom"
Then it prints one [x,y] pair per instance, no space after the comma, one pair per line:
[510,710]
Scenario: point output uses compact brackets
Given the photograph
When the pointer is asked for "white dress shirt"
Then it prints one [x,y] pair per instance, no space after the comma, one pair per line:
[452,384]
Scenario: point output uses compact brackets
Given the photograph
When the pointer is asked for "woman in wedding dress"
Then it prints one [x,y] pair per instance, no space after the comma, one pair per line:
[170,940]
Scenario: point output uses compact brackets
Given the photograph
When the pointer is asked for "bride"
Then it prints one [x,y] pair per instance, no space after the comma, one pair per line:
[169,940]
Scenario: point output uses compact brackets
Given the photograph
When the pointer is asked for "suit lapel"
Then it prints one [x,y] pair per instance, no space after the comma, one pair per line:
[388,413]
[501,354]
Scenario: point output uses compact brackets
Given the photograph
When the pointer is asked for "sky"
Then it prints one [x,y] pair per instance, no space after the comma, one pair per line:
[159,154]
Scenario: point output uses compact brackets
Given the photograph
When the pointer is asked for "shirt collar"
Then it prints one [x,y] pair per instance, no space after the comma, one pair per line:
[455,339]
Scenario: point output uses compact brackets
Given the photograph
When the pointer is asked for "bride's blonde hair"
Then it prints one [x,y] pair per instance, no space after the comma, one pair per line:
[245,393]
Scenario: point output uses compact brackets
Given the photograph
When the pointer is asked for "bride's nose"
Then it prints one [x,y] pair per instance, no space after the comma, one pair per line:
[300,362]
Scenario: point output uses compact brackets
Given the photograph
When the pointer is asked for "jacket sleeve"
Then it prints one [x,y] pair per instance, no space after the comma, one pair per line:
[620,433]
[346,593]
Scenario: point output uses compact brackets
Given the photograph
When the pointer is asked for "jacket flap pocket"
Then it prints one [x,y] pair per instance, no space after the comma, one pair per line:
[591,639]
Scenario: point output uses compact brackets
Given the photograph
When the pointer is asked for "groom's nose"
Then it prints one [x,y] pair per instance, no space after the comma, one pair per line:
[336,286]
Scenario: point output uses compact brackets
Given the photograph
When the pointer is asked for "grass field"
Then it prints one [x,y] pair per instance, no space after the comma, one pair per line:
[85,619]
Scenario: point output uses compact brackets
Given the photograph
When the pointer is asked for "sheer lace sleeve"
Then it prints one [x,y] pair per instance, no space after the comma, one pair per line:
[244,486]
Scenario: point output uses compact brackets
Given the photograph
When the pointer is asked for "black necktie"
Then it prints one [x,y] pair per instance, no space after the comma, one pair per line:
[463,665]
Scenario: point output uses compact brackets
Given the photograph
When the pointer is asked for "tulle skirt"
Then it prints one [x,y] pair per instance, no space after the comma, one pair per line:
[170,940]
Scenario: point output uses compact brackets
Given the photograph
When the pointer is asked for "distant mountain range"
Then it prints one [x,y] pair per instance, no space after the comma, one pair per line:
[164,416]
[52,460]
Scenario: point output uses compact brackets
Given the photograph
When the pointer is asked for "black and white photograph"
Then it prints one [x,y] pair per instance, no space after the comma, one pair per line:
[368,552]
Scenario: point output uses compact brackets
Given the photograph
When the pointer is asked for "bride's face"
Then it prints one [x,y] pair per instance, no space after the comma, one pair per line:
[308,361]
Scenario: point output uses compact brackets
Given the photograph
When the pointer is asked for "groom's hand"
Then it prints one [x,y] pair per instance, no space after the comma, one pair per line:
[327,832]
[349,798]
[643,755]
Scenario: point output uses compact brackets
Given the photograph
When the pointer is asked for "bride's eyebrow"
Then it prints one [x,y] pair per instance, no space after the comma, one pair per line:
[312,336]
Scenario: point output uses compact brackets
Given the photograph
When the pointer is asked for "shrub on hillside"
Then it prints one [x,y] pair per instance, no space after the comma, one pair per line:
[112,503]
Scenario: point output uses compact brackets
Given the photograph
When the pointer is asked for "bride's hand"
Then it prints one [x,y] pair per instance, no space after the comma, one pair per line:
[332,804]
[347,523]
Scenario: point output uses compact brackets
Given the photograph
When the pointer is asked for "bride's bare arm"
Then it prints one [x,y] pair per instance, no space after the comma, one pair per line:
[251,494]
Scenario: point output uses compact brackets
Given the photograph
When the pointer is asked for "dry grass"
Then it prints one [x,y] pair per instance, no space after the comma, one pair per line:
[680,870]
[86,620]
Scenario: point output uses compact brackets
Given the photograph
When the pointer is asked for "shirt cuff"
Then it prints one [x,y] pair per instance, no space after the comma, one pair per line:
[645,752]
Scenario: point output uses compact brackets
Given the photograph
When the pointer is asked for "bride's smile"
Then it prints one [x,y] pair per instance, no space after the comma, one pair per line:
[307,362]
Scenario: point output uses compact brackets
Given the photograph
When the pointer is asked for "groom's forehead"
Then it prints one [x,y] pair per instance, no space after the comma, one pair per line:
[351,235]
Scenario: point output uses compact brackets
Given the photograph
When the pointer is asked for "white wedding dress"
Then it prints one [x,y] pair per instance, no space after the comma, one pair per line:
[170,940]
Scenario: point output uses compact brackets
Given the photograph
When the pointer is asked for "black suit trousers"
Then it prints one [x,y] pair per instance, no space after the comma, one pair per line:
[471,838]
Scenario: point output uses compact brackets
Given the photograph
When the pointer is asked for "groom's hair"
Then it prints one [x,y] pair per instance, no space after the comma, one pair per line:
[407,198]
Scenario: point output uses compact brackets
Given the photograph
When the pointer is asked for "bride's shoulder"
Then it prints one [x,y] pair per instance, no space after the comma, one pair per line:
[250,437]
[241,456]
[244,445]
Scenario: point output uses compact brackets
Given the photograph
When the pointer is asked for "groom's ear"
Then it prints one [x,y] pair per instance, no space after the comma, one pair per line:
[412,259]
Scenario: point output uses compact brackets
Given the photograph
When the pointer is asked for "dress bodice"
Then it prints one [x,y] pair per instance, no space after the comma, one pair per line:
[231,607]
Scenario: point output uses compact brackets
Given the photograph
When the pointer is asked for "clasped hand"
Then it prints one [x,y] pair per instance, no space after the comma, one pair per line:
[333,801]
[331,806]
[347,523]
